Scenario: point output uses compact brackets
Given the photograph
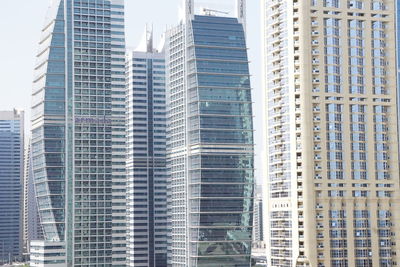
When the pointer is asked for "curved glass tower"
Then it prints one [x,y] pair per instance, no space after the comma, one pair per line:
[78,132]
[49,103]
[210,141]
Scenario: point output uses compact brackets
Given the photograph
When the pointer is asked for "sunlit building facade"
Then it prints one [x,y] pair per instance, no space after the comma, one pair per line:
[332,181]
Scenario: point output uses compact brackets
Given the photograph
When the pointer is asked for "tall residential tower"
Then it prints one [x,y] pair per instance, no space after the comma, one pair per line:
[146,156]
[332,185]
[11,184]
[210,151]
[78,135]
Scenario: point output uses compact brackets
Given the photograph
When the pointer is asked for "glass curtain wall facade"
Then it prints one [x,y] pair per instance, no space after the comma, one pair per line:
[146,156]
[11,184]
[78,131]
[332,188]
[32,229]
[209,142]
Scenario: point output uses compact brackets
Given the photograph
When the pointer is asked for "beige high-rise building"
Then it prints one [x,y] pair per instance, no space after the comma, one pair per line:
[332,181]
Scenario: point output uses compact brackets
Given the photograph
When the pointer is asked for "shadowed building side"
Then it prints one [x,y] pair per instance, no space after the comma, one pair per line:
[332,183]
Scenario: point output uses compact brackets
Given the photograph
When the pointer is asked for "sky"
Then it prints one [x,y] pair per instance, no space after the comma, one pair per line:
[21,24]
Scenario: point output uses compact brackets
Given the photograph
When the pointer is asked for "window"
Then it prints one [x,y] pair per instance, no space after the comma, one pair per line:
[331,3]
[355,4]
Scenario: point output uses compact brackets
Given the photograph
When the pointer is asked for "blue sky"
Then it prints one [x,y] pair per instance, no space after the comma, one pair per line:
[21,23]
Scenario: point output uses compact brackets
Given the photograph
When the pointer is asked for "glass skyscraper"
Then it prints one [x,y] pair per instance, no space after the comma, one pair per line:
[146,155]
[78,134]
[209,141]
[332,183]
[11,184]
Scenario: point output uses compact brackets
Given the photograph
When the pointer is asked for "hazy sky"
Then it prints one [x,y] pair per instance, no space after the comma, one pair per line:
[21,22]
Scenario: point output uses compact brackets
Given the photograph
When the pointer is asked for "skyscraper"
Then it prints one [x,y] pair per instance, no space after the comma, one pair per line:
[332,186]
[78,134]
[398,54]
[258,246]
[258,224]
[146,155]
[32,229]
[209,140]
[11,180]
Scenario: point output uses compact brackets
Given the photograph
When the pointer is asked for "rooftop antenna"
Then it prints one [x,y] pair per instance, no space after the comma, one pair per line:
[213,12]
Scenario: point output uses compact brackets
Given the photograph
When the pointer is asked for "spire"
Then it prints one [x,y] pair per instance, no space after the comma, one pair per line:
[146,44]
[241,11]
[161,44]
[188,9]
